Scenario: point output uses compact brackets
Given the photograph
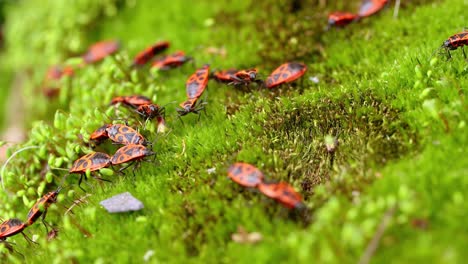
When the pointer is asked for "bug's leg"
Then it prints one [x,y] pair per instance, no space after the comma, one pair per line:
[236,81]
[28,239]
[44,222]
[79,182]
[179,116]
[124,168]
[121,173]
[449,56]
[101,179]
[463,50]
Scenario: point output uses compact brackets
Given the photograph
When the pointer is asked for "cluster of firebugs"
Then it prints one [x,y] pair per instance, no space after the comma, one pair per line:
[135,146]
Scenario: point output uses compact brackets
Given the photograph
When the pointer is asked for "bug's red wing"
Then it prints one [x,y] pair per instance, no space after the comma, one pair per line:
[371,7]
[288,196]
[93,161]
[129,153]
[171,61]
[100,50]
[224,76]
[283,193]
[148,53]
[245,174]
[341,19]
[269,189]
[286,72]
[197,82]
[100,133]
[11,227]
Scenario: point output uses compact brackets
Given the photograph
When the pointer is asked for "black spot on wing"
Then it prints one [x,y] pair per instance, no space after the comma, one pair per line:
[112,130]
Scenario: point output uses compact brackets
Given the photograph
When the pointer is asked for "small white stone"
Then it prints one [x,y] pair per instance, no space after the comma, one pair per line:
[314,79]
[148,255]
[211,170]
[121,203]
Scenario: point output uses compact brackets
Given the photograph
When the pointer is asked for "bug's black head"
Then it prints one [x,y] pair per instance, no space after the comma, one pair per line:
[183,111]
[446,44]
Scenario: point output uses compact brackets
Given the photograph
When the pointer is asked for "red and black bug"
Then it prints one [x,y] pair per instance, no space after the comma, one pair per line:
[133,101]
[130,153]
[197,82]
[245,174]
[171,61]
[236,77]
[56,72]
[50,92]
[456,41]
[122,134]
[100,134]
[283,193]
[191,106]
[287,72]
[371,7]
[90,162]
[12,227]
[150,111]
[224,76]
[341,19]
[245,76]
[100,50]
[41,206]
[147,54]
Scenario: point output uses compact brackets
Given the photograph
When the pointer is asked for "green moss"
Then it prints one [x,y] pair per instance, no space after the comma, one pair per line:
[397,114]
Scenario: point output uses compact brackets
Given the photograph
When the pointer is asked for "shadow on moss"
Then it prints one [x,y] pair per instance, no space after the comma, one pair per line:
[370,133]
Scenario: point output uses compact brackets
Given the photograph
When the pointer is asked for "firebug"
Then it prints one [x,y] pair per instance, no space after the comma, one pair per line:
[90,162]
[133,101]
[12,227]
[191,106]
[371,7]
[100,134]
[122,134]
[245,174]
[197,82]
[41,206]
[224,76]
[100,50]
[341,19]
[287,72]
[150,111]
[456,41]
[56,72]
[50,92]
[245,76]
[236,77]
[130,153]
[283,193]
[171,61]
[147,54]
